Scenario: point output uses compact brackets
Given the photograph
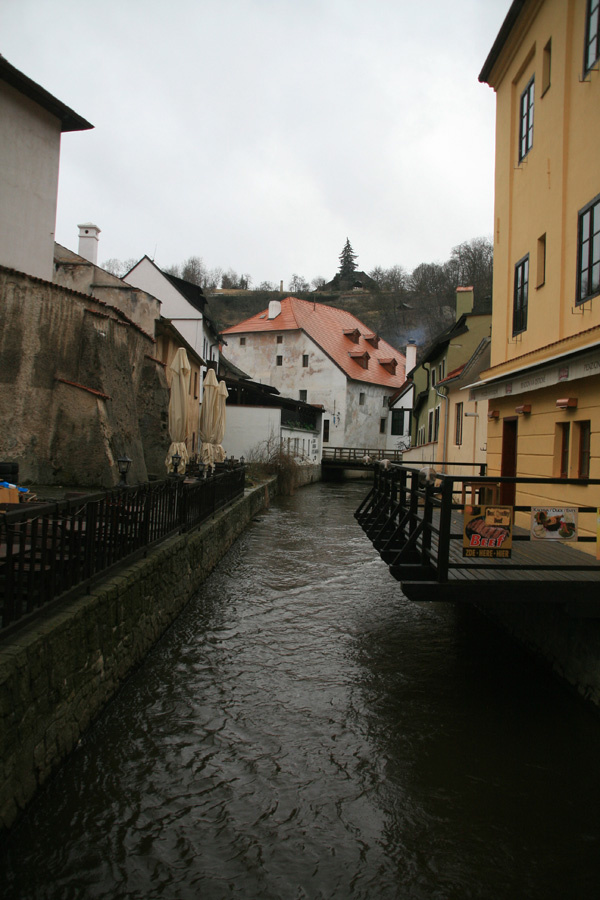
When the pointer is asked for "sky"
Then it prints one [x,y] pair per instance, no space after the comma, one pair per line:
[260,134]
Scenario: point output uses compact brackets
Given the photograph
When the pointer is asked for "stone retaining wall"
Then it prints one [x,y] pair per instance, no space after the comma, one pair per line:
[58,673]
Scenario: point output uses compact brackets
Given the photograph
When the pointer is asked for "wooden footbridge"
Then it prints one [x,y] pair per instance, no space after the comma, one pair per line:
[356,457]
[423,524]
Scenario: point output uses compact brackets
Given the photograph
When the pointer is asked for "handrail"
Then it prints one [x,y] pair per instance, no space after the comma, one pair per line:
[50,549]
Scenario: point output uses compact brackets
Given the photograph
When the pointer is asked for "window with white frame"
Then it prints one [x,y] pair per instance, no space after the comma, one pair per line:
[592,35]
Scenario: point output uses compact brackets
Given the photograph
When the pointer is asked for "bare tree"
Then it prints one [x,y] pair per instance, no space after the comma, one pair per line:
[298,283]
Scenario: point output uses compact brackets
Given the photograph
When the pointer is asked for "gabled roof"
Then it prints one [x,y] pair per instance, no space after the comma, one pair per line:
[69,120]
[326,326]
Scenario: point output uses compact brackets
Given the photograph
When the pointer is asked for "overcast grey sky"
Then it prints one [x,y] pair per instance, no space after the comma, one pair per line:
[259,134]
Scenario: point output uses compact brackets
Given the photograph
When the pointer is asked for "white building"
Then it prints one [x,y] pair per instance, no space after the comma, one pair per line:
[325,357]
[401,404]
[183,303]
[32,123]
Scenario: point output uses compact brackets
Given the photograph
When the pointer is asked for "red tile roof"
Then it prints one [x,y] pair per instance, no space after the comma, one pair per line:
[330,328]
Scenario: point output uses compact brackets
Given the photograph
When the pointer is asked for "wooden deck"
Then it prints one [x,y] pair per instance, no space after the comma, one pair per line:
[422,542]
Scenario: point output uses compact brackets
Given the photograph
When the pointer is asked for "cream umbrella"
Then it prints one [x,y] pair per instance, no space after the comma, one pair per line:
[180,385]
[208,419]
[222,395]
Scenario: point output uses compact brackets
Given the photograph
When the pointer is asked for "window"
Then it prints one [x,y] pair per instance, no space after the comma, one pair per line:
[280,339]
[541,261]
[397,421]
[433,377]
[361,399]
[382,423]
[325,431]
[280,360]
[436,423]
[546,67]
[526,120]
[459,424]
[592,43]
[588,251]
[242,342]
[442,370]
[303,396]
[520,295]
[584,435]
[384,401]
[564,434]
[305,360]
[430,426]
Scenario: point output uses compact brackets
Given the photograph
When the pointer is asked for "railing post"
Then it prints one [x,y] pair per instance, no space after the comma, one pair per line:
[445,525]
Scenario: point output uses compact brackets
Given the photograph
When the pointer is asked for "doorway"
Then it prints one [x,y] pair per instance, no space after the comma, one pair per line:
[508,466]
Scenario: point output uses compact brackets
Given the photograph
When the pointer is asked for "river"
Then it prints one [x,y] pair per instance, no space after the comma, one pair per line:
[305,732]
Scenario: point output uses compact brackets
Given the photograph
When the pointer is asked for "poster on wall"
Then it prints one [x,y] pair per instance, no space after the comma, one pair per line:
[488,531]
[553,523]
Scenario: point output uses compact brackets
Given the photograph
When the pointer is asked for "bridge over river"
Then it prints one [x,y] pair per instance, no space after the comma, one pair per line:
[303,731]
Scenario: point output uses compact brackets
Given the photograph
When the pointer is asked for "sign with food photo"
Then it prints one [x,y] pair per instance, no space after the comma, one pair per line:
[488,531]
[552,523]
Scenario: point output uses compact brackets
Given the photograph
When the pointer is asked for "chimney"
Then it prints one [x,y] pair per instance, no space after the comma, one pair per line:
[411,356]
[88,242]
[274,308]
[464,301]
[281,287]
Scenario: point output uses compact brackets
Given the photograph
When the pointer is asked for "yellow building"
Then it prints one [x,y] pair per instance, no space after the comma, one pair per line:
[543,384]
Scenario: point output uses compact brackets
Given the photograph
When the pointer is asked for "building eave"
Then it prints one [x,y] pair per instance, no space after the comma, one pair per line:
[68,118]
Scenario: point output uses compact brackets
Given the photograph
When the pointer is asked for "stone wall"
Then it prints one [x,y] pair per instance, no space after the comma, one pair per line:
[58,673]
[78,387]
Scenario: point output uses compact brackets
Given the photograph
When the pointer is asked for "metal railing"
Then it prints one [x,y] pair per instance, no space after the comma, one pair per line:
[49,550]
[416,524]
[358,454]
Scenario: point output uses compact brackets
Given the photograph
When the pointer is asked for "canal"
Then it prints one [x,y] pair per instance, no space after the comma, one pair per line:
[304,732]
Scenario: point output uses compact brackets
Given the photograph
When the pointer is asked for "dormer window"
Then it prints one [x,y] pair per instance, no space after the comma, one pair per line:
[353,334]
[372,338]
[389,363]
[361,357]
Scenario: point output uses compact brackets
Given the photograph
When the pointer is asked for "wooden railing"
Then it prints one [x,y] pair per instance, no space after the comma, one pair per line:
[48,550]
[359,454]
[415,521]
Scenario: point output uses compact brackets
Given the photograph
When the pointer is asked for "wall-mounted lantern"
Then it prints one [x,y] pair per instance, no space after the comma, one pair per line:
[523,410]
[567,403]
[123,465]
[494,414]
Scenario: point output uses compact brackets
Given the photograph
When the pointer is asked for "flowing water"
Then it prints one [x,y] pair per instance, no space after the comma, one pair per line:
[303,731]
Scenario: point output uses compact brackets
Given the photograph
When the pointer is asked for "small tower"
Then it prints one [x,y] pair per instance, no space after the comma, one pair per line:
[88,242]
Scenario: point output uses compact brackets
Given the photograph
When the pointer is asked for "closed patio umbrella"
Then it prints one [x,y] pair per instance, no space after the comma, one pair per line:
[208,420]
[222,395]
[180,384]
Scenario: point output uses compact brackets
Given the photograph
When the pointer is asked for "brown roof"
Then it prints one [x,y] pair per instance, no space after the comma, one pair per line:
[330,327]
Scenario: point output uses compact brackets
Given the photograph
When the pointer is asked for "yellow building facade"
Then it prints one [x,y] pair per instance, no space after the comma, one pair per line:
[543,386]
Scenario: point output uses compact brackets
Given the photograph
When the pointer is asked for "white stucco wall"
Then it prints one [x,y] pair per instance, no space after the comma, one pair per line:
[249,427]
[351,424]
[187,320]
[400,441]
[29,161]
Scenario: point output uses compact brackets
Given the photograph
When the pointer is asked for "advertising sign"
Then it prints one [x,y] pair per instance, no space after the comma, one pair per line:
[488,531]
[553,523]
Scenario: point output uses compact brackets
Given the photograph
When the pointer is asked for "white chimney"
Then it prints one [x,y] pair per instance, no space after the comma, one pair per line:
[411,356]
[274,308]
[88,242]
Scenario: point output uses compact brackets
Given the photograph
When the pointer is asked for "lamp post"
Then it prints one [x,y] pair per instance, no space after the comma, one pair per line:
[123,464]
[175,460]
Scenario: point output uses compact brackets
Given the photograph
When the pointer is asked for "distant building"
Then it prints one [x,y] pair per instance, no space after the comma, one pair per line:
[325,357]
[32,123]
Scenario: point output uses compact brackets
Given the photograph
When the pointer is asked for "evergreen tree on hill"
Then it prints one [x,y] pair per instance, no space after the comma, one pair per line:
[347,263]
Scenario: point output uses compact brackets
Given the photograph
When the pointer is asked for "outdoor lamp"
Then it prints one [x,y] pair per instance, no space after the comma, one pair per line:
[175,460]
[123,464]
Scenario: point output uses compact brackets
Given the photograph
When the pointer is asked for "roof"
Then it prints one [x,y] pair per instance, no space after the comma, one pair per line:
[326,325]
[501,39]
[69,120]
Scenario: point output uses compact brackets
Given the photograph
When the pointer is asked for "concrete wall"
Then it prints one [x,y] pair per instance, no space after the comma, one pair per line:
[58,673]
[29,160]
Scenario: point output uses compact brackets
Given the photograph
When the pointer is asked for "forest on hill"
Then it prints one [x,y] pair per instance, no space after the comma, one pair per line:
[398,305]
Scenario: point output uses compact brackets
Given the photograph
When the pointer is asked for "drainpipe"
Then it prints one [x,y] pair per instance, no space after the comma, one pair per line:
[444,397]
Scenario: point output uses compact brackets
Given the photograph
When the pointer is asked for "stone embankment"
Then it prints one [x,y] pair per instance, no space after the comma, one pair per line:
[58,673]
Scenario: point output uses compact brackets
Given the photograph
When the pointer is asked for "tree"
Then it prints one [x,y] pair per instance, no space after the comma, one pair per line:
[298,283]
[194,271]
[471,265]
[317,283]
[119,267]
[347,261]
